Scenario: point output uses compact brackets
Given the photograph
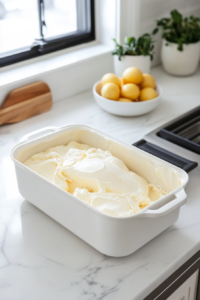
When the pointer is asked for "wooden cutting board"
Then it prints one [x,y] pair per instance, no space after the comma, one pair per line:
[26,102]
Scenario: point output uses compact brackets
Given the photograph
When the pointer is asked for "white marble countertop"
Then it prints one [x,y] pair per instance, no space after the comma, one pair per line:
[39,259]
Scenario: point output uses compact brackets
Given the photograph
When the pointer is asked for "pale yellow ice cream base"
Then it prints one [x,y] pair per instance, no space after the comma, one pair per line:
[96,177]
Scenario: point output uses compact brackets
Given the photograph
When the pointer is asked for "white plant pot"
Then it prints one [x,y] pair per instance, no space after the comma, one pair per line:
[180,63]
[141,62]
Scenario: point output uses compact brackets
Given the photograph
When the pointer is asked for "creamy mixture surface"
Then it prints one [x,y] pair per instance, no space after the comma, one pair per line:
[96,177]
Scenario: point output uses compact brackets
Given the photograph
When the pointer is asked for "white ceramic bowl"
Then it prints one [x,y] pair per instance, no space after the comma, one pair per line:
[126,108]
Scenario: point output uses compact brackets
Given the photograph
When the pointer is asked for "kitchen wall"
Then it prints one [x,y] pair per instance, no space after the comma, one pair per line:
[151,10]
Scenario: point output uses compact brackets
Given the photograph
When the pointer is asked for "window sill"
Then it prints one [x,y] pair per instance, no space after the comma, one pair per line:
[78,69]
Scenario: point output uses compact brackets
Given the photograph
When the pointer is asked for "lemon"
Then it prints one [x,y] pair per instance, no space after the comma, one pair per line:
[110,77]
[148,81]
[132,75]
[124,100]
[110,91]
[148,93]
[130,91]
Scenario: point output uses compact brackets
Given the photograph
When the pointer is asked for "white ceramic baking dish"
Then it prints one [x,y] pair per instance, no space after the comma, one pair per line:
[110,235]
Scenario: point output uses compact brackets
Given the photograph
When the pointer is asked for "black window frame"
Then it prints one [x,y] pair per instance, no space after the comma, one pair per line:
[44,45]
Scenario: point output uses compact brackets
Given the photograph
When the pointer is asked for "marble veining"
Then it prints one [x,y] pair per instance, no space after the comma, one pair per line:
[40,259]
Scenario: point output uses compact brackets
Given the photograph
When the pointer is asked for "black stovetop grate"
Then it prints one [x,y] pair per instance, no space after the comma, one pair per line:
[185,131]
[181,162]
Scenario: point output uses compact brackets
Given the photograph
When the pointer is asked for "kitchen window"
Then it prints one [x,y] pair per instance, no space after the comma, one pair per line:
[36,27]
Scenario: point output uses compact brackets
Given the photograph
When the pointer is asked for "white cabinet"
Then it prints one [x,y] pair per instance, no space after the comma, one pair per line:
[187,291]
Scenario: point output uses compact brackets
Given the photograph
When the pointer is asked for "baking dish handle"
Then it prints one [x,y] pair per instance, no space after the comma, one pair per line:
[180,199]
[38,133]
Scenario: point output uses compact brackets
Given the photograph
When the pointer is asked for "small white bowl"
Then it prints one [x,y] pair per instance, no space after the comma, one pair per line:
[126,108]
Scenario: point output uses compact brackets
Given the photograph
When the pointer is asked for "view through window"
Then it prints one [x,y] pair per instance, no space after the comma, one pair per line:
[29,28]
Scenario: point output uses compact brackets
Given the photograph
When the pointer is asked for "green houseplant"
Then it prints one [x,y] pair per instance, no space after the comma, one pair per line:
[144,45]
[134,52]
[181,43]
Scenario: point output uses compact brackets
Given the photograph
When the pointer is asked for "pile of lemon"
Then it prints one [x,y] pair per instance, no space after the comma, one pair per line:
[133,86]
